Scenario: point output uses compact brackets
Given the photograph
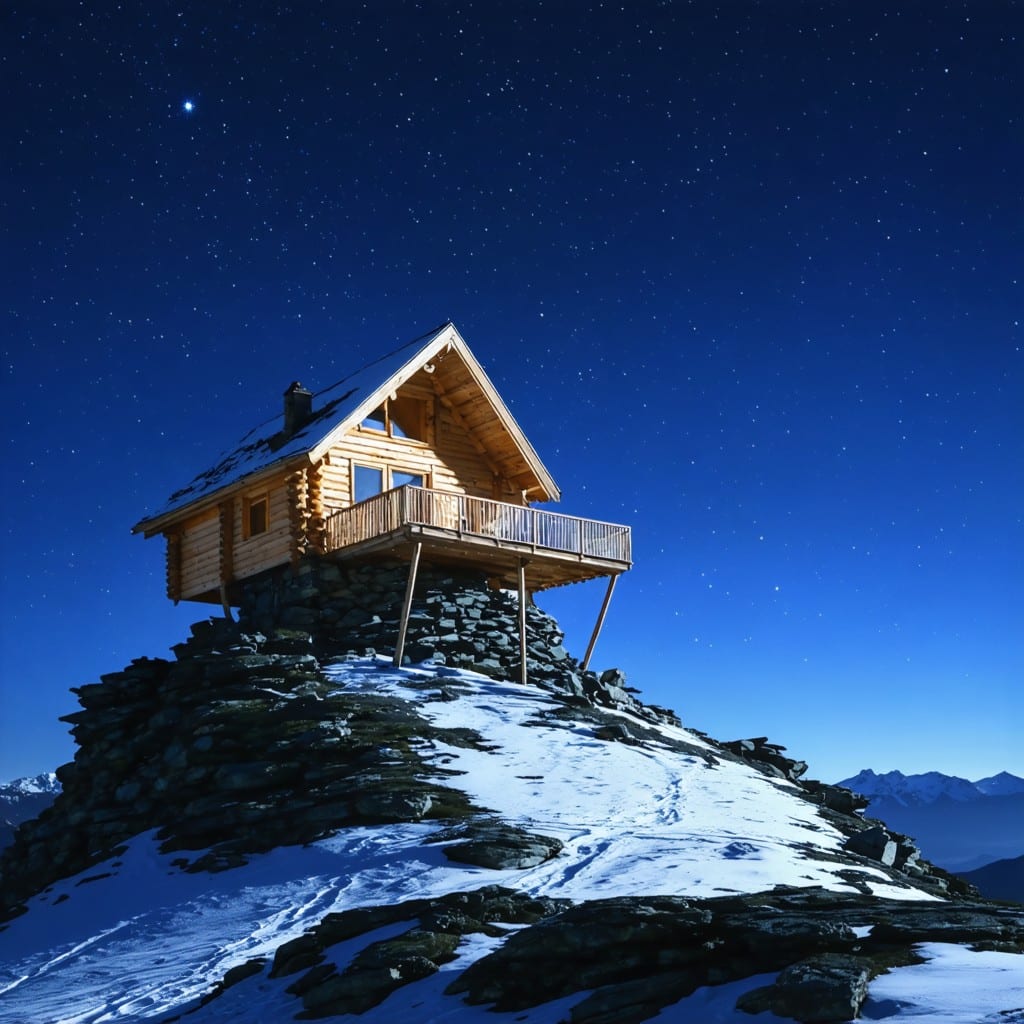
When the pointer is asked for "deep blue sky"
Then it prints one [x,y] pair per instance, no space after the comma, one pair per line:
[747,274]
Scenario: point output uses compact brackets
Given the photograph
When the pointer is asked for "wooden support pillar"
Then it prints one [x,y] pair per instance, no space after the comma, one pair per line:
[227,552]
[403,626]
[522,621]
[600,621]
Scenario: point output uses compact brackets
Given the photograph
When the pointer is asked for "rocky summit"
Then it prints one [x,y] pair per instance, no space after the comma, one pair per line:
[278,824]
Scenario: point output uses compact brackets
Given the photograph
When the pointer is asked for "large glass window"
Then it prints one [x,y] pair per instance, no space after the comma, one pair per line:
[369,481]
[399,478]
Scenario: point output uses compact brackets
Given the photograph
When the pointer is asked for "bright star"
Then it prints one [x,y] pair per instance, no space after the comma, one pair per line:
[188,106]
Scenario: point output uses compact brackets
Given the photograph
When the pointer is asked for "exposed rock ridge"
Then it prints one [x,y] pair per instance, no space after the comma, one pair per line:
[643,953]
[241,743]
[627,958]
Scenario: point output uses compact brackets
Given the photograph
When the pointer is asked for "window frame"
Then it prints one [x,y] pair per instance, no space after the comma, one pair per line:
[390,425]
[387,471]
[249,503]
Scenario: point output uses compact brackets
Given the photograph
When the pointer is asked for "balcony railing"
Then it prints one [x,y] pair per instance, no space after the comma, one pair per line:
[477,520]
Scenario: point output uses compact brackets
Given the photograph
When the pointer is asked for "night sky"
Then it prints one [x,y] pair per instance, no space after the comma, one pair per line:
[747,274]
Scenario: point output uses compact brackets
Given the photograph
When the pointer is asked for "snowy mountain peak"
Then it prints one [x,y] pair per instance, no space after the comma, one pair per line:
[912,789]
[1003,784]
[45,783]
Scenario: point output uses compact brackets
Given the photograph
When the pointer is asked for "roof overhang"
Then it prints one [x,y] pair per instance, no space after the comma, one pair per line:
[445,344]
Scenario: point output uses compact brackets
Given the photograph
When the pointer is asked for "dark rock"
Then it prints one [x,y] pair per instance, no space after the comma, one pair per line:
[490,844]
[633,1001]
[875,843]
[823,989]
[614,731]
[393,807]
[639,954]
[378,971]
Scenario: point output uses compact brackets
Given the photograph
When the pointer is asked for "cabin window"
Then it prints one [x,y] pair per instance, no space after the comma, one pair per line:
[399,417]
[399,478]
[370,480]
[377,420]
[256,516]
[408,418]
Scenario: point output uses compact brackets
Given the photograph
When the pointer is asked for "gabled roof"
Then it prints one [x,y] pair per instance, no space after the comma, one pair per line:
[266,449]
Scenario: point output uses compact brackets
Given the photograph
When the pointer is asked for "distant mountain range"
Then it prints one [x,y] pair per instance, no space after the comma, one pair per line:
[1003,880]
[911,790]
[959,824]
[24,799]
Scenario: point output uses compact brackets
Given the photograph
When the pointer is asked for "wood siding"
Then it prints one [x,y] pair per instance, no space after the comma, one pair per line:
[265,550]
[448,461]
[204,550]
[461,450]
[200,554]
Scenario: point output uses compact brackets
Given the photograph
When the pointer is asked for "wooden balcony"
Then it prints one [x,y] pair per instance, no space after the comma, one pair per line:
[476,532]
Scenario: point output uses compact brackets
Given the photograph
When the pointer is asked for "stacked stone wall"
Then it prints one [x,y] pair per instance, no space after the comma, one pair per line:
[457,619]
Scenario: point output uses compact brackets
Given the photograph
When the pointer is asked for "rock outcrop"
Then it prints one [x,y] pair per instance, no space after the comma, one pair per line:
[639,955]
[237,746]
[457,619]
[843,808]
[242,743]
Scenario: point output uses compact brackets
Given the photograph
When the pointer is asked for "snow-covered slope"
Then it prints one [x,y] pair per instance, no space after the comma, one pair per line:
[136,938]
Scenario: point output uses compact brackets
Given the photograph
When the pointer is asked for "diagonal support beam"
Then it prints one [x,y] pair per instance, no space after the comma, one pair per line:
[403,626]
[600,621]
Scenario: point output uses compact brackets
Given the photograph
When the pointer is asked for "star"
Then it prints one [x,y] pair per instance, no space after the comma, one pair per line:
[188,106]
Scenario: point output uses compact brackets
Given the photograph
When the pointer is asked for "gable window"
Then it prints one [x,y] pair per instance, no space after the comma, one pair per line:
[370,480]
[399,417]
[255,516]
[377,420]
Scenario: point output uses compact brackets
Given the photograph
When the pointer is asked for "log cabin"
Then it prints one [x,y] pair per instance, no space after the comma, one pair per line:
[416,455]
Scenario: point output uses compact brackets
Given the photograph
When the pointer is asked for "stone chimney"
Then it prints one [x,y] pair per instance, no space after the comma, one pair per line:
[298,407]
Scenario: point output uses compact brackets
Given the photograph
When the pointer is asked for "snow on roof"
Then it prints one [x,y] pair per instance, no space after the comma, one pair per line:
[266,444]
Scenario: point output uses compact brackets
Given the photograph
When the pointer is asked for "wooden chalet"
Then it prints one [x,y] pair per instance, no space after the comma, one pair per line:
[415,456]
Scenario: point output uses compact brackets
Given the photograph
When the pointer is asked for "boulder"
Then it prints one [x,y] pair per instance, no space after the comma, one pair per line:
[875,843]
[825,989]
[493,844]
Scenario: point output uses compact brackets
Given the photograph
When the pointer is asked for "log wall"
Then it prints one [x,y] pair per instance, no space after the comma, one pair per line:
[200,554]
[449,462]
[265,550]
[449,458]
[205,550]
